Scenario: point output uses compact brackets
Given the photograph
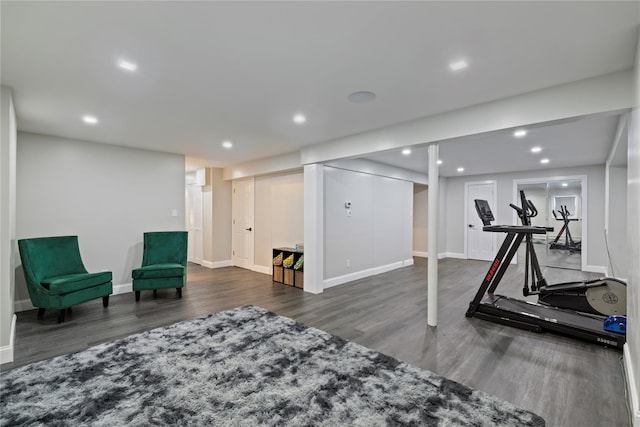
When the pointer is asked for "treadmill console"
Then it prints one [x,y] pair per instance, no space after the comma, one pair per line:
[484,212]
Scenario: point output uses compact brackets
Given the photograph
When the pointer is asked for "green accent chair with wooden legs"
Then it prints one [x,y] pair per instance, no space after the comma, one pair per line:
[56,276]
[164,262]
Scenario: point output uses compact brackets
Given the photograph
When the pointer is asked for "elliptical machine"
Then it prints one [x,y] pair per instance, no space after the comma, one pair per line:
[598,296]
[577,309]
[569,244]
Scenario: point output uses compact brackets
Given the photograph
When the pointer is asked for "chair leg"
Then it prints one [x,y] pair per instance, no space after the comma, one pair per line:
[155,293]
[41,313]
[179,292]
[137,296]
[105,301]
[61,315]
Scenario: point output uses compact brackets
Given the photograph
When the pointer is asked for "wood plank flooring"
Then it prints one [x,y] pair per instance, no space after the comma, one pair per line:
[568,382]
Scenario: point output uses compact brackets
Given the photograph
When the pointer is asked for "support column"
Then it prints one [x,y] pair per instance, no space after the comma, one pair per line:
[432,231]
[313,228]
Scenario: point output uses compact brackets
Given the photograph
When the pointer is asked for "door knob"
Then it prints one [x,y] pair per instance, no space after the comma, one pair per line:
[248,229]
[470,225]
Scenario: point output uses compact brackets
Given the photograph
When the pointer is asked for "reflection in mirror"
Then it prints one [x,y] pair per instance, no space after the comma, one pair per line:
[553,198]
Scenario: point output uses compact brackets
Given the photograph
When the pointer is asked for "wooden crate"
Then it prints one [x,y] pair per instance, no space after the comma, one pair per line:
[288,276]
[278,273]
[299,280]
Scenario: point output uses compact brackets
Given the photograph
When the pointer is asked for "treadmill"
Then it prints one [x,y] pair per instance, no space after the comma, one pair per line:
[530,316]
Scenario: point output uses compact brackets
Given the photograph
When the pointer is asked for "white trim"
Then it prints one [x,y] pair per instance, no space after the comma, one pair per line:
[441,255]
[584,211]
[195,260]
[407,262]
[23,305]
[494,241]
[262,269]
[456,255]
[217,264]
[421,254]
[335,281]
[595,269]
[634,399]
[123,288]
[6,351]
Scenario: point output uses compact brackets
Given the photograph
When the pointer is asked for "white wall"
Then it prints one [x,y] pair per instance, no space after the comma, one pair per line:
[378,234]
[216,213]
[8,252]
[596,251]
[617,226]
[107,195]
[632,348]
[279,215]
[420,205]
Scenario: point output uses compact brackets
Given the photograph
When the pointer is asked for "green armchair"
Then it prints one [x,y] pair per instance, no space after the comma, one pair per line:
[164,262]
[56,277]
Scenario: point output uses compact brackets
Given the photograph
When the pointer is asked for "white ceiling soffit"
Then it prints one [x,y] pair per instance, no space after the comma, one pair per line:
[212,71]
[584,141]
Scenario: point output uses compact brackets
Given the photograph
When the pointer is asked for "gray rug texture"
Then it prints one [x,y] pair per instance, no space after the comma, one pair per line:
[243,367]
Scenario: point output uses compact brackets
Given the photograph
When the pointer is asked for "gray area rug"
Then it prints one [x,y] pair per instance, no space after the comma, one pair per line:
[243,367]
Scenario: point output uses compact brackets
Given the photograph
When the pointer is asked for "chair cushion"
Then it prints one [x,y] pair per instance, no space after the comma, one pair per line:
[157,271]
[72,282]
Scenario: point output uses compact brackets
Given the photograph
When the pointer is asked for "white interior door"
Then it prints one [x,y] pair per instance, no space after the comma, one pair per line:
[243,212]
[480,244]
[194,224]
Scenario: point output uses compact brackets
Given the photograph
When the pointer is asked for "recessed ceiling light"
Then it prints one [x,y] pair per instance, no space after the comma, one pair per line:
[460,169]
[361,97]
[299,118]
[564,184]
[126,65]
[458,65]
[90,120]
[406,151]
[544,161]
[227,144]
[439,162]
[520,133]
[536,149]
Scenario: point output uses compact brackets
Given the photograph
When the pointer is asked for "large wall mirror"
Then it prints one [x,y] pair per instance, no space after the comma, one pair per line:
[559,203]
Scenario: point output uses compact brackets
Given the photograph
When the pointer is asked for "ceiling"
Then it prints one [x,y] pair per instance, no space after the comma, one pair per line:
[579,142]
[214,71]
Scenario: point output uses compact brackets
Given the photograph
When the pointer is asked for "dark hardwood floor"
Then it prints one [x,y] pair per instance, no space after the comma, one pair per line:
[568,382]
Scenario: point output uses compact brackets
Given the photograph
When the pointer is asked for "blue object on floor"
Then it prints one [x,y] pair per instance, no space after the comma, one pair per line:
[616,324]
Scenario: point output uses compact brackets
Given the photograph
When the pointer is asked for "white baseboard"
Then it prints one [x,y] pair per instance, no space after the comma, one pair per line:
[335,281]
[457,255]
[420,254]
[22,305]
[634,399]
[596,269]
[6,351]
[262,269]
[216,264]
[407,262]
[123,288]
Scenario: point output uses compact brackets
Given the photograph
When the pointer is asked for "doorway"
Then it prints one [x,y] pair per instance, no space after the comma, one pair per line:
[242,208]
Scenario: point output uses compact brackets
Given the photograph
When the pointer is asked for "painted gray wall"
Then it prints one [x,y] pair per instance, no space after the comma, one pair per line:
[420,205]
[379,231]
[107,195]
[8,252]
[596,251]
